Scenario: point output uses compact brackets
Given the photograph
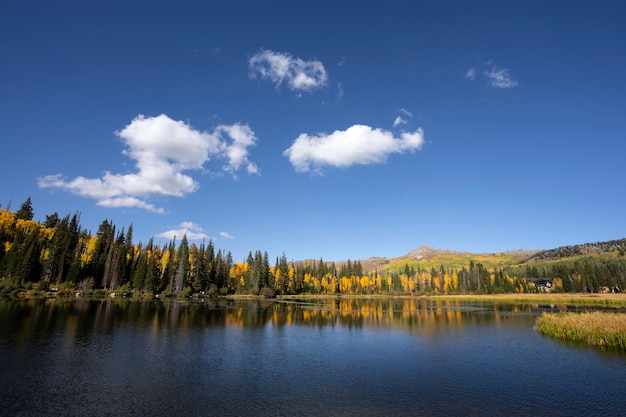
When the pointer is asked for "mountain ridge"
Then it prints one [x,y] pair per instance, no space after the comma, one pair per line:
[427,256]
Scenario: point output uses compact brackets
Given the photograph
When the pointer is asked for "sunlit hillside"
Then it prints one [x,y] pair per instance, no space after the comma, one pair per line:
[426,258]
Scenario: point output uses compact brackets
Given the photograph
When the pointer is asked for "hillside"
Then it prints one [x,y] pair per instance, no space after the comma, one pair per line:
[608,249]
[425,257]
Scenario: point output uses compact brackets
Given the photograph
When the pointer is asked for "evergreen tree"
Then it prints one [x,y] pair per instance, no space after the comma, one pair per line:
[267,280]
[153,274]
[182,257]
[140,269]
[200,281]
[26,211]
[62,250]
[211,265]
[282,285]
[52,220]
[100,257]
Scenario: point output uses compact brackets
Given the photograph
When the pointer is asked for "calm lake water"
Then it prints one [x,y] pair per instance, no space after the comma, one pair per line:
[378,357]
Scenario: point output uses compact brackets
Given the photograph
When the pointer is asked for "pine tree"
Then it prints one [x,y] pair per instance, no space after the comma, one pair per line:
[182,270]
[26,211]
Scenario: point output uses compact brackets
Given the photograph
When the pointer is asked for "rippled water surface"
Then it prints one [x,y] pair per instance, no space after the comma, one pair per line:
[377,357]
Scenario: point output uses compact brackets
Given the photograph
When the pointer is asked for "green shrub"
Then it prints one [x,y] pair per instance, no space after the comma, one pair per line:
[9,284]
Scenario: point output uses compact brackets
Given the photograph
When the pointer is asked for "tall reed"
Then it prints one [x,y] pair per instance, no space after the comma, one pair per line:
[594,328]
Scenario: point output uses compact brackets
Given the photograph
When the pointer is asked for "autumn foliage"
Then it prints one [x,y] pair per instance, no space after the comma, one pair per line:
[59,255]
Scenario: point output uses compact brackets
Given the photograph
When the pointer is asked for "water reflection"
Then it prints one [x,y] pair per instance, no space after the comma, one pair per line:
[77,318]
[344,357]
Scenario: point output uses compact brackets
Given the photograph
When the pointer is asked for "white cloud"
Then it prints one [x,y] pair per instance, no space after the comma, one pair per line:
[163,149]
[399,121]
[225,235]
[189,229]
[339,91]
[237,152]
[358,144]
[500,78]
[471,74]
[299,75]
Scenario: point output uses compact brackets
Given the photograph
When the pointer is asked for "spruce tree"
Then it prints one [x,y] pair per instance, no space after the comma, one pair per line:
[26,211]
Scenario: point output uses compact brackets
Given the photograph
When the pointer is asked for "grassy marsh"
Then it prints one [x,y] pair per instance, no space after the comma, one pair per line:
[593,328]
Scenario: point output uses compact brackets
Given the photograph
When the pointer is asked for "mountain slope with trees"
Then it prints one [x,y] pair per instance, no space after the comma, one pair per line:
[58,255]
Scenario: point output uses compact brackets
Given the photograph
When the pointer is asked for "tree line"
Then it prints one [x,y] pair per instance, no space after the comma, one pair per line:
[59,255]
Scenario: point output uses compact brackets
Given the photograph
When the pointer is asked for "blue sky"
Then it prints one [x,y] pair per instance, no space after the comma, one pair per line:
[320,129]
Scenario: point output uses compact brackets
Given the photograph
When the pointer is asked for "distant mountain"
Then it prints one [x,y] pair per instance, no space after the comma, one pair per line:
[617,247]
[425,257]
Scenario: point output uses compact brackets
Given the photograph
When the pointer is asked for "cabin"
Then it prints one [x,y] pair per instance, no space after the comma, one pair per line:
[542,284]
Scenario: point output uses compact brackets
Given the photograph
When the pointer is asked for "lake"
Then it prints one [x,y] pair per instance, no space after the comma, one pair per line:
[329,357]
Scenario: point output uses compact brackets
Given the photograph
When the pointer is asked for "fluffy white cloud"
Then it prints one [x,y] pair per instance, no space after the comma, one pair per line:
[163,149]
[282,68]
[358,144]
[225,235]
[237,152]
[500,78]
[189,229]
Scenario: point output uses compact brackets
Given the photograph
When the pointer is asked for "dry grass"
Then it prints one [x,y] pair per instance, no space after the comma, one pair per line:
[596,328]
[609,299]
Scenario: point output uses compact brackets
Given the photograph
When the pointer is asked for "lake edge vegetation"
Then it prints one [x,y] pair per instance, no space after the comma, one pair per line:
[604,329]
[59,256]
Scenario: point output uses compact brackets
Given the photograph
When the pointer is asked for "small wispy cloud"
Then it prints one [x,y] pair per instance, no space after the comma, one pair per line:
[357,145]
[283,68]
[189,229]
[339,91]
[500,78]
[225,235]
[399,121]
[496,77]
[164,150]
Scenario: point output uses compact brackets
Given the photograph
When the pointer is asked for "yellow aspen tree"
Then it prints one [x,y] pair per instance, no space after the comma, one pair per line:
[165,259]
[291,284]
[7,219]
[404,282]
[333,283]
[237,274]
[27,226]
[447,282]
[344,285]
[87,255]
[324,284]
[557,283]
[379,282]
[315,284]
[436,283]
[363,284]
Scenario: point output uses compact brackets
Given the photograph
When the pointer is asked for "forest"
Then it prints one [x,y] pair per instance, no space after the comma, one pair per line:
[57,255]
